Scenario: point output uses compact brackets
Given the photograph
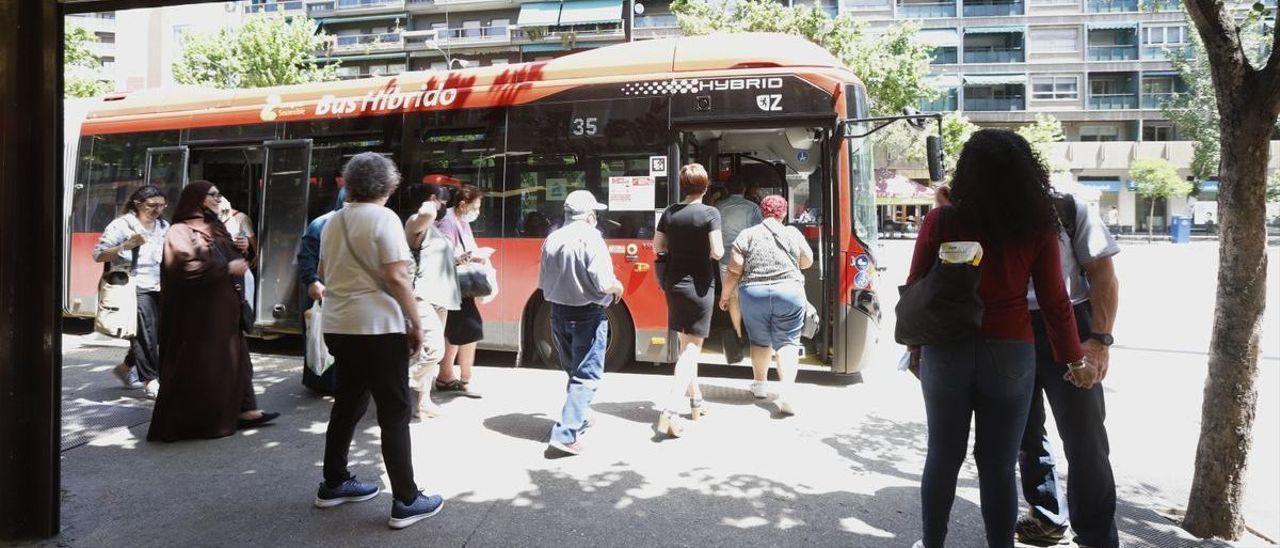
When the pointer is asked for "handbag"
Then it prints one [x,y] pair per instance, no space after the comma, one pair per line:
[812,321]
[476,280]
[117,311]
[944,305]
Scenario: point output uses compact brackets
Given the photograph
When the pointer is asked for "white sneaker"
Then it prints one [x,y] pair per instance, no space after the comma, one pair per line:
[785,407]
[760,389]
[918,544]
[152,389]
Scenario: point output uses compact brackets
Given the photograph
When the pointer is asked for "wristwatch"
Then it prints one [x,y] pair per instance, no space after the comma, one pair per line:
[1105,338]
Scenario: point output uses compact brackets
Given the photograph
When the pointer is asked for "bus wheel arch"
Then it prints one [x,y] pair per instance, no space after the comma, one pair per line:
[538,345]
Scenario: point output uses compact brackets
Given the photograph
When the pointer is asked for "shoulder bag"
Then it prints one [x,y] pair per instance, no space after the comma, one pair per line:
[117,312]
[944,305]
[812,321]
[475,280]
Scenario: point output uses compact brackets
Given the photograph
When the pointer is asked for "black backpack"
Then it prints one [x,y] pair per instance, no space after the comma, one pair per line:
[944,305]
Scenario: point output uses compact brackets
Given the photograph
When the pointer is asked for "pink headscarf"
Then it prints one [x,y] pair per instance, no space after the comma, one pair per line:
[774,206]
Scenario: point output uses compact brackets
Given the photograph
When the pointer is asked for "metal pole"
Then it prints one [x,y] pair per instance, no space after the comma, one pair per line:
[30,267]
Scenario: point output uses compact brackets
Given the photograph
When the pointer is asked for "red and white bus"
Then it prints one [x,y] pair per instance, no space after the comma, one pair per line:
[617,120]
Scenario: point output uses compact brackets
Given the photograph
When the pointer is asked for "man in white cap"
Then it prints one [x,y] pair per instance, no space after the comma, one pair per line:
[576,277]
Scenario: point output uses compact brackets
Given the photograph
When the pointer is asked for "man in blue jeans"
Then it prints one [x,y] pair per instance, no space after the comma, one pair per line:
[1087,248]
[576,277]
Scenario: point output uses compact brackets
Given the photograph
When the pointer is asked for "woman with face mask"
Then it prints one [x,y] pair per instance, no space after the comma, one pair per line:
[204,360]
[463,328]
[435,288]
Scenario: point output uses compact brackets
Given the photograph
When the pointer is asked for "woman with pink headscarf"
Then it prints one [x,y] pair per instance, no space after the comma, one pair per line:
[764,268]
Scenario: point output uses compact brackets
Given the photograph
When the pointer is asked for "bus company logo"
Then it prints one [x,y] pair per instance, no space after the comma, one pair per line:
[678,87]
[273,109]
[387,99]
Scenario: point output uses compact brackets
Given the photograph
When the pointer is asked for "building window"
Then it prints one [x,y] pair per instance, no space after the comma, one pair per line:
[180,34]
[1099,133]
[1054,40]
[1157,132]
[1045,3]
[1055,88]
[1172,35]
[105,37]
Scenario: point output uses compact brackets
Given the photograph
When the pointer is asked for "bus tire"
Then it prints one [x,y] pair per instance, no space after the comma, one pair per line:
[619,352]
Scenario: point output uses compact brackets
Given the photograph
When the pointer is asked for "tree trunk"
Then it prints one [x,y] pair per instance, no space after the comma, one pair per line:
[1230,394]
[1151,220]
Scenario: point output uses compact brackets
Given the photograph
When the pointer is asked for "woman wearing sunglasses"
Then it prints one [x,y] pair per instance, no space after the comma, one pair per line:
[139,234]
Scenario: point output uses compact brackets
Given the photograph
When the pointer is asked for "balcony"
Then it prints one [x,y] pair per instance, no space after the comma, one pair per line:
[988,8]
[590,33]
[1113,53]
[1165,52]
[288,8]
[1156,101]
[994,104]
[944,56]
[367,43]
[478,36]
[648,27]
[1113,6]
[362,5]
[926,10]
[866,5]
[1113,101]
[947,102]
[425,6]
[994,55]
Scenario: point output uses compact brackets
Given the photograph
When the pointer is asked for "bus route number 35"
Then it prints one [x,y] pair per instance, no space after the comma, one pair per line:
[584,126]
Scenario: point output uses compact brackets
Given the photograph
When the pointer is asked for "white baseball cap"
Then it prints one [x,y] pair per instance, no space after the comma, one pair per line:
[580,202]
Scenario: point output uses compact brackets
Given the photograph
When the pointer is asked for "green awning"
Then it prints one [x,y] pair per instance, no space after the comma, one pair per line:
[939,38]
[1160,73]
[995,30]
[362,18]
[542,48]
[1113,25]
[994,79]
[539,14]
[586,12]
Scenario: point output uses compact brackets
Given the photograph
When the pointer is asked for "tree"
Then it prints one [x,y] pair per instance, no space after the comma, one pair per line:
[80,66]
[1042,134]
[1248,102]
[265,51]
[1195,111]
[1156,179]
[892,65]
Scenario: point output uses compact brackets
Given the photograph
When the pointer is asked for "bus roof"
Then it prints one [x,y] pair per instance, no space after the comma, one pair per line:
[188,106]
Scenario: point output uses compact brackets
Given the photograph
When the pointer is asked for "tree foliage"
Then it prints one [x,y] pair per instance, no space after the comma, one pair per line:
[892,65]
[1157,178]
[81,68]
[265,51]
[1195,112]
[1042,134]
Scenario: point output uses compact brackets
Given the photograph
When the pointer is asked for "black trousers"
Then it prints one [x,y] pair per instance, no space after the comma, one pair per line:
[378,366]
[144,349]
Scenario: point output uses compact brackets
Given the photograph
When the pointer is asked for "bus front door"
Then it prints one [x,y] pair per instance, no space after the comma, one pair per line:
[282,217]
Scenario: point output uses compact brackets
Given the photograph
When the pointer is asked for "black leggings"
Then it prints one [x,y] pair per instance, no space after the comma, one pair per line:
[376,365]
[144,352]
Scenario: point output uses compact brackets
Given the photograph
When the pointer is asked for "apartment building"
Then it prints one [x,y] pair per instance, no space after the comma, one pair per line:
[103,26]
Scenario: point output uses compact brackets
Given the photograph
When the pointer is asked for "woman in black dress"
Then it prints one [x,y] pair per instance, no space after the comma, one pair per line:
[689,234]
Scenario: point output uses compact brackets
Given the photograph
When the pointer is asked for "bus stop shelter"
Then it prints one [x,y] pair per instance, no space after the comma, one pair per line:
[31,269]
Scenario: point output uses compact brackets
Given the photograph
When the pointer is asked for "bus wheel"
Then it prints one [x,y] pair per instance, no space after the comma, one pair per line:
[619,352]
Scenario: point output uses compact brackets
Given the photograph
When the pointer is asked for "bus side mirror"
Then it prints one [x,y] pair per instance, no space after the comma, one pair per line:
[933,144]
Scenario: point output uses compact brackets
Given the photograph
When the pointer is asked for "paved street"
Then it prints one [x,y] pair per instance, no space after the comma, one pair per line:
[844,472]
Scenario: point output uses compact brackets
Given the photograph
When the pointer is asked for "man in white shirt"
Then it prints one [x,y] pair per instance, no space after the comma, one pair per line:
[736,214]
[576,277]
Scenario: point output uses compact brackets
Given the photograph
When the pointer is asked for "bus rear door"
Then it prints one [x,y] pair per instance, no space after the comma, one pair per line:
[282,218]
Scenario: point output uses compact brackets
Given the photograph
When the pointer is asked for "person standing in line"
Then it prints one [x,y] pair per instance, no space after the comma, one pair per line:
[1113,218]
[140,233]
[1087,248]
[204,359]
[371,327]
[435,289]
[737,214]
[1001,199]
[689,235]
[240,226]
[764,269]
[309,277]
[576,277]
[464,328]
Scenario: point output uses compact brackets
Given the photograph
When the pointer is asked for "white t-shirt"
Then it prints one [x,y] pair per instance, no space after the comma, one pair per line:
[354,300]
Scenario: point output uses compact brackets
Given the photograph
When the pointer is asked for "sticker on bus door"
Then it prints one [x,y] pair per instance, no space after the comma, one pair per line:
[631,194]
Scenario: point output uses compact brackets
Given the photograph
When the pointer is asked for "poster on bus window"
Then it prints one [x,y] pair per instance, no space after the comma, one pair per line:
[557,189]
[631,193]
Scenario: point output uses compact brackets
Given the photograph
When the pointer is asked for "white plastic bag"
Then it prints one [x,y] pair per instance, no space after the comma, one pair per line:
[318,358]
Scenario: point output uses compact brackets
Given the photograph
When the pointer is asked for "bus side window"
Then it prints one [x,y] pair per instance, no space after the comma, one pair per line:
[110,168]
[558,148]
[463,147]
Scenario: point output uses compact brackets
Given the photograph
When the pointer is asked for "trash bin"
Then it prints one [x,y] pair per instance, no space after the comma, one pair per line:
[1180,230]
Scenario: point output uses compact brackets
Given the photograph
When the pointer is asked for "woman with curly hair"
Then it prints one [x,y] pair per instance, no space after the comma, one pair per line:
[1000,198]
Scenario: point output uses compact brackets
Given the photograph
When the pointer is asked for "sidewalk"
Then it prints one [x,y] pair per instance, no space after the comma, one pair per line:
[844,472]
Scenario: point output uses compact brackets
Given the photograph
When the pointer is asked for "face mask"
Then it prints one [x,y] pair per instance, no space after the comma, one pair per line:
[470,216]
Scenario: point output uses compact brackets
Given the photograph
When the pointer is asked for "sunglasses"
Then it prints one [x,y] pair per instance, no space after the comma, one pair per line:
[155,205]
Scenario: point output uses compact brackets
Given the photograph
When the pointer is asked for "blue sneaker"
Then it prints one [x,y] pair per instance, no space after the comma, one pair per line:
[350,491]
[423,507]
